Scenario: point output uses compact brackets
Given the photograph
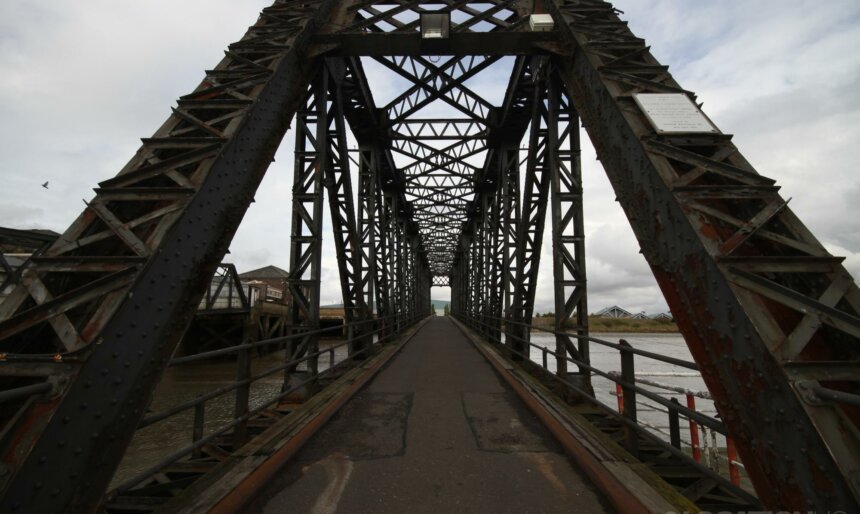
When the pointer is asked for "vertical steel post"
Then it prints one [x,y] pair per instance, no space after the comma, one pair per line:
[732,457]
[568,233]
[198,427]
[628,377]
[553,164]
[531,226]
[675,425]
[368,229]
[307,216]
[385,249]
[694,430]
[496,283]
[338,183]
[243,395]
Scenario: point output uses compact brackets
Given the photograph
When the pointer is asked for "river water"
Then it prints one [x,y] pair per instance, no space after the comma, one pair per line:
[181,384]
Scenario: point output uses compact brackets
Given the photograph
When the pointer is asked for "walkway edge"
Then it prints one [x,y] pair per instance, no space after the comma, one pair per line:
[617,491]
[256,468]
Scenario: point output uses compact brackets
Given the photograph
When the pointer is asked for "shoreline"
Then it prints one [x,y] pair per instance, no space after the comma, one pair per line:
[616,325]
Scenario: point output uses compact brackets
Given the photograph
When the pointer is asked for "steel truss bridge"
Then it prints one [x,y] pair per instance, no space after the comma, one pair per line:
[457,195]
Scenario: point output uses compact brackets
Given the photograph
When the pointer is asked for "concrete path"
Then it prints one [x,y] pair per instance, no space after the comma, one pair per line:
[436,431]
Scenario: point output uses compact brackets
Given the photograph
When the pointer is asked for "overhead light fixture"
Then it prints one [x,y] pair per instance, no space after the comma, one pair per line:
[435,25]
[541,22]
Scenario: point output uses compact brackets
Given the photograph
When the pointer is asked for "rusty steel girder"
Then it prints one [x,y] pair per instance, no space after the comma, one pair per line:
[152,238]
[767,312]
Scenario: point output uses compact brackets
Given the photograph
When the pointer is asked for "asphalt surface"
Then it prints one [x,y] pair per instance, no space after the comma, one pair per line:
[435,431]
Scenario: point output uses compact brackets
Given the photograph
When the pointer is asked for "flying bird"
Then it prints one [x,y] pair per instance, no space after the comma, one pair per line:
[45,185]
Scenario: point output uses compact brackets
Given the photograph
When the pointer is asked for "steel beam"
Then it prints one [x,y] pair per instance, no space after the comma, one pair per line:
[303,282]
[535,195]
[338,183]
[568,233]
[701,214]
[206,151]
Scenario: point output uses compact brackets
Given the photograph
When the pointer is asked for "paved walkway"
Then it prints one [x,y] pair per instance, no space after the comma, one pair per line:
[435,431]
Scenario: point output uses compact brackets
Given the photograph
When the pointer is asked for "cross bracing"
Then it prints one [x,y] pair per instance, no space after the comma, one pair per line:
[445,188]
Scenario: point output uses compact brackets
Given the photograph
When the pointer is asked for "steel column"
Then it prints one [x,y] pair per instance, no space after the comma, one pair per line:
[338,183]
[368,228]
[303,282]
[530,230]
[568,234]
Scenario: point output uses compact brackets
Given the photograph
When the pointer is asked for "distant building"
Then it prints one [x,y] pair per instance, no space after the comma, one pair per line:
[663,316]
[640,315]
[271,282]
[614,312]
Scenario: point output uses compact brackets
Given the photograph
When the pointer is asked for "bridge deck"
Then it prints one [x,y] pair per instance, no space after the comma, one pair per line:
[435,431]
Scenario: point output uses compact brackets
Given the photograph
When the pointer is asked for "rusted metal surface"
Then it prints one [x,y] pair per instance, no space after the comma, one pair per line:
[702,214]
[182,239]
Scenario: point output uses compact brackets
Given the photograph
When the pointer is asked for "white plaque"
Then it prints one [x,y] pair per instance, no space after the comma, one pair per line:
[673,113]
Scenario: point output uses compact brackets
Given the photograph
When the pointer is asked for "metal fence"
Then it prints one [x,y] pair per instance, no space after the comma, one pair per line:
[705,444]
[300,373]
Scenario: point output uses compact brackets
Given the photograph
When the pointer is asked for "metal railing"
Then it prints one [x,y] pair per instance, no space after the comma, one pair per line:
[699,447]
[380,331]
[631,392]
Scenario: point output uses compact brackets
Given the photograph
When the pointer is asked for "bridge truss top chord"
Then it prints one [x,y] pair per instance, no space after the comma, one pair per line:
[770,316]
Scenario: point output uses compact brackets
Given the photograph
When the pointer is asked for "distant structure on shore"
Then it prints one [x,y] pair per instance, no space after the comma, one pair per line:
[617,312]
[270,281]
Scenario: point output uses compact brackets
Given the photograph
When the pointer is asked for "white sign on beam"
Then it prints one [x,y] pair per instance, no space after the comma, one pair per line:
[673,113]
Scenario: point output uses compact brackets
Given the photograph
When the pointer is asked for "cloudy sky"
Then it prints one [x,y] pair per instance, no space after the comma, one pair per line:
[82,81]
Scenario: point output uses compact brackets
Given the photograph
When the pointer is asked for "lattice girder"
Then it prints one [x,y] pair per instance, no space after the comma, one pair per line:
[738,269]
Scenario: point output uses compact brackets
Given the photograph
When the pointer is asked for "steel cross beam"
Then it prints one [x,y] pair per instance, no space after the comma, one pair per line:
[764,308]
[433,82]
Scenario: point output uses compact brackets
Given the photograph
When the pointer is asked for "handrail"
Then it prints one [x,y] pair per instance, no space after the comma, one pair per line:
[154,418]
[628,382]
[382,334]
[274,340]
[702,419]
[644,353]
